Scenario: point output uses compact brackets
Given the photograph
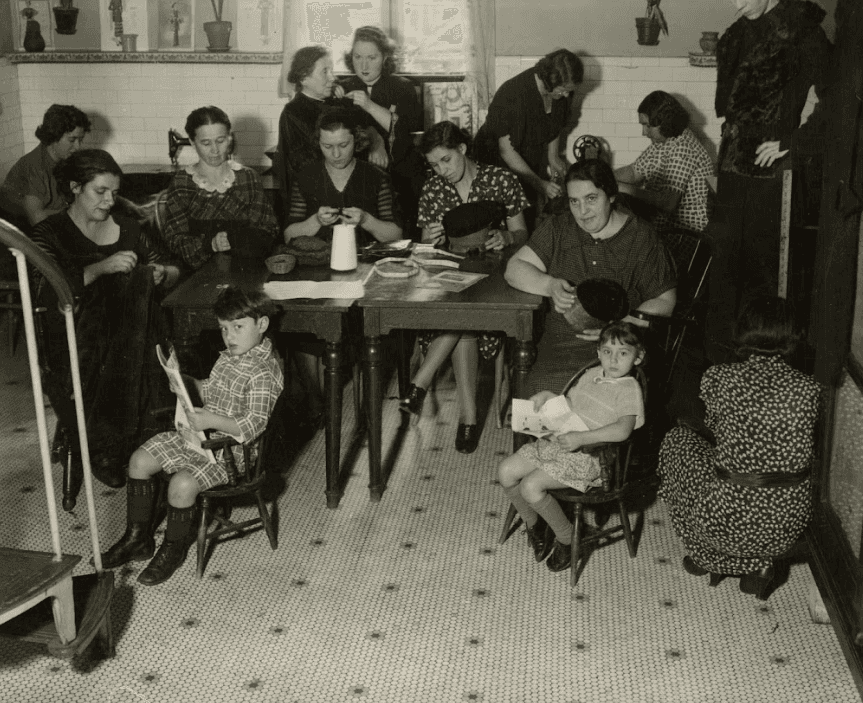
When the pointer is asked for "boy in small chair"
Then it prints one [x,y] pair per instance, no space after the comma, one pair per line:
[238,397]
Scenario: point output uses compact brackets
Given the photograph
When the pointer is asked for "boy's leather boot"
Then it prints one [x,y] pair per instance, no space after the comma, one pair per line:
[172,553]
[137,542]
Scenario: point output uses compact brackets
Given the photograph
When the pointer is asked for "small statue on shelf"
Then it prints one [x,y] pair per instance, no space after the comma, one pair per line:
[116,10]
[175,21]
[33,39]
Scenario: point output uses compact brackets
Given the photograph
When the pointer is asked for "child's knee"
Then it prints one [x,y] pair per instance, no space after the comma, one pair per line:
[183,489]
[142,464]
[533,487]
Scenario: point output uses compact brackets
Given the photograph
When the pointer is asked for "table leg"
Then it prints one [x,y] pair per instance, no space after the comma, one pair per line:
[374,404]
[333,395]
[403,366]
[524,353]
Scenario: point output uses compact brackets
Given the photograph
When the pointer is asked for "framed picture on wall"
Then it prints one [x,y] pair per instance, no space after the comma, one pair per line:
[454,101]
[41,15]
[176,20]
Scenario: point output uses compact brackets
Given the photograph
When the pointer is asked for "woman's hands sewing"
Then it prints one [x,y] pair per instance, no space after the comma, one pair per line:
[353,216]
[433,233]
[328,216]
[220,242]
[498,239]
[119,262]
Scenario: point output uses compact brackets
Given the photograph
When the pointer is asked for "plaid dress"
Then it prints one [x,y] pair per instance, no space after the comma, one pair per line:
[244,388]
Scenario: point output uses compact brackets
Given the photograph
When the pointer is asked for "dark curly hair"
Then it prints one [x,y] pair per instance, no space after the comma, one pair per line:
[766,327]
[81,167]
[385,45]
[332,119]
[59,120]
[559,68]
[447,135]
[597,172]
[662,110]
[204,116]
[303,64]
[236,303]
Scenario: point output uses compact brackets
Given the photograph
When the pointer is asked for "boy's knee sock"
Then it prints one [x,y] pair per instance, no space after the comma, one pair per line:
[140,497]
[179,525]
[553,514]
[528,514]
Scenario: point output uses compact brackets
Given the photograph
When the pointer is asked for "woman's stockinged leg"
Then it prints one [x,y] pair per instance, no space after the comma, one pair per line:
[438,352]
[534,489]
[465,364]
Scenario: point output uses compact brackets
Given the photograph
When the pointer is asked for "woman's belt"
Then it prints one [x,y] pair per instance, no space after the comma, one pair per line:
[773,479]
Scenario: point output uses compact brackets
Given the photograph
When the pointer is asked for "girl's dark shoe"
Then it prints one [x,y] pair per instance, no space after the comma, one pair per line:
[466,438]
[560,558]
[540,537]
[692,568]
[413,402]
[136,544]
[168,559]
[757,583]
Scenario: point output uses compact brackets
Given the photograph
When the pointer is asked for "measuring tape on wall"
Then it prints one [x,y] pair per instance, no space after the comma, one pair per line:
[784,233]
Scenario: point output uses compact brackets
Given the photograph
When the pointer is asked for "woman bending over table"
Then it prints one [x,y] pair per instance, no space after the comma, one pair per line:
[525,119]
[393,104]
[342,189]
[593,239]
[217,205]
[118,276]
[459,179]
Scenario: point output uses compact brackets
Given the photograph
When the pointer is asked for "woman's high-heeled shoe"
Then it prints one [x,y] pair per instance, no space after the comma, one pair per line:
[466,438]
[413,402]
[757,583]
[690,567]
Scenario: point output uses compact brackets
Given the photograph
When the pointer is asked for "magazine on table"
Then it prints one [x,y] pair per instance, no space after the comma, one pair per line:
[184,407]
[553,418]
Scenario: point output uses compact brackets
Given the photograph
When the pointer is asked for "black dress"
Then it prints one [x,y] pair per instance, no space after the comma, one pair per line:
[763,415]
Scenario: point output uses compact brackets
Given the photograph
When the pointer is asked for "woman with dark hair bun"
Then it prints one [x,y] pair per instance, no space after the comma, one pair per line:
[740,493]
[393,104]
[671,174]
[30,189]
[525,119]
[118,274]
[217,205]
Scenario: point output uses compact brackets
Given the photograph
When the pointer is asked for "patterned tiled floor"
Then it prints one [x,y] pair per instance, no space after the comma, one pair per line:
[411,599]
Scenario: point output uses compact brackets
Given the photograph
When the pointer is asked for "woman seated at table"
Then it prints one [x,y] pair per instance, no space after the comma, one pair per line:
[217,205]
[593,239]
[30,190]
[311,74]
[525,119]
[117,275]
[342,189]
[393,104]
[671,174]
[459,179]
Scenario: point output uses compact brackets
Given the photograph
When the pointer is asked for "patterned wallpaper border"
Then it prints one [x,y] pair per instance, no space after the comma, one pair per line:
[145,57]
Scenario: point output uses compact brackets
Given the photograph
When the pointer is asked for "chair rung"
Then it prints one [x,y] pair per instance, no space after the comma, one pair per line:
[236,527]
[601,534]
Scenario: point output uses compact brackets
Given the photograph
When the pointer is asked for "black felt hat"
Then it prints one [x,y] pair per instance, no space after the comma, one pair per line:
[469,222]
[603,299]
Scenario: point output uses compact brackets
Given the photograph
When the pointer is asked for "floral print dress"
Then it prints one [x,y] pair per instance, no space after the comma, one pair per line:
[763,415]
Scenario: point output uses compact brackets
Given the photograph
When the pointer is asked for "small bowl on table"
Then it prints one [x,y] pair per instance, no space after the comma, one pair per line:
[281,263]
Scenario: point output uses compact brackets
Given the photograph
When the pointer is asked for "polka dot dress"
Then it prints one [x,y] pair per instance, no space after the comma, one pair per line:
[763,414]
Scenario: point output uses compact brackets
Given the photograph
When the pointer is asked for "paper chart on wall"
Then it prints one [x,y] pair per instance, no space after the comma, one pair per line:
[118,17]
[176,20]
[259,25]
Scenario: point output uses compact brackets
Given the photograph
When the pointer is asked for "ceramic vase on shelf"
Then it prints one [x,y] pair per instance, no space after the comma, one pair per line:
[708,42]
[33,39]
[65,17]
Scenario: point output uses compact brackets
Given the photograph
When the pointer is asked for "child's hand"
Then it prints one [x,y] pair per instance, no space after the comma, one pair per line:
[541,399]
[570,441]
[175,389]
[200,419]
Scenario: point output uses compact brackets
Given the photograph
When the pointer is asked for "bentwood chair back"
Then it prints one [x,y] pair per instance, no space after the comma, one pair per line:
[615,460]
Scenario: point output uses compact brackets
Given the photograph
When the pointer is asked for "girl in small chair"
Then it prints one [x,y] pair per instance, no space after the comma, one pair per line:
[609,401]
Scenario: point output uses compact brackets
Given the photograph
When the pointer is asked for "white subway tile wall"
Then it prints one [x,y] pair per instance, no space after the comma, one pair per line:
[133,105]
[11,134]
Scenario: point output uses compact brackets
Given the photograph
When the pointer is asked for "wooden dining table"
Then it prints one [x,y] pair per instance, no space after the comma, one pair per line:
[192,306]
[389,304]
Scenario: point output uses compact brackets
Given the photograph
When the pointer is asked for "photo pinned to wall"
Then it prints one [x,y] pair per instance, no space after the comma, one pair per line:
[39,11]
[259,25]
[124,25]
[453,101]
[176,20]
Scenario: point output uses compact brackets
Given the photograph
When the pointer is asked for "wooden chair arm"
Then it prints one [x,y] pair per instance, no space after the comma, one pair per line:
[226,443]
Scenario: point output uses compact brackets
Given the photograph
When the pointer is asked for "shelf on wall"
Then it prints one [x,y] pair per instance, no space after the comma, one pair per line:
[274,57]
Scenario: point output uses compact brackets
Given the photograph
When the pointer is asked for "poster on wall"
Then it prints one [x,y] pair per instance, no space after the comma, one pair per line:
[124,25]
[259,25]
[39,11]
[176,19]
[453,101]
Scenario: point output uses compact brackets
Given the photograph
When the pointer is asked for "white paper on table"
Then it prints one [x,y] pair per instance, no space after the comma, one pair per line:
[289,290]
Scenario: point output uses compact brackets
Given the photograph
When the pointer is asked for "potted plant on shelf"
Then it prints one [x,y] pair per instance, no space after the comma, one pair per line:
[648,27]
[218,32]
[66,17]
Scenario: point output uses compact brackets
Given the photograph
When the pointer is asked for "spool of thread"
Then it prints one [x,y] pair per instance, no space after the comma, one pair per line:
[343,256]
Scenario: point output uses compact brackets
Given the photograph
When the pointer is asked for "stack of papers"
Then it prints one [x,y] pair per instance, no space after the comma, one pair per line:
[288,290]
